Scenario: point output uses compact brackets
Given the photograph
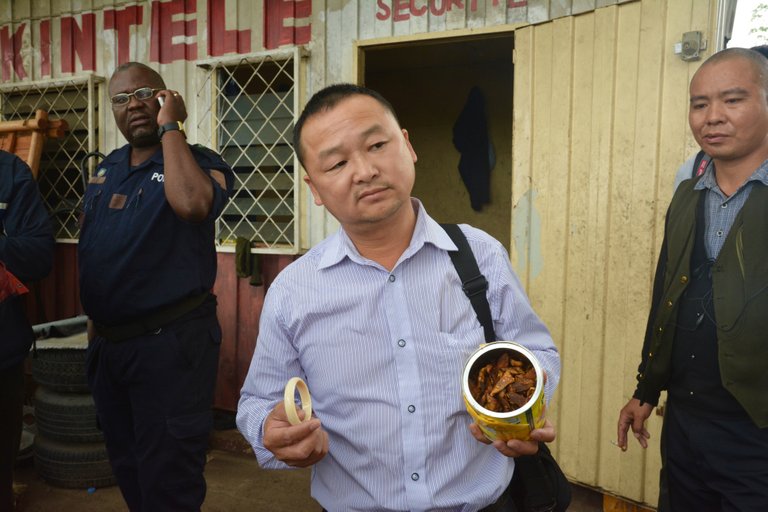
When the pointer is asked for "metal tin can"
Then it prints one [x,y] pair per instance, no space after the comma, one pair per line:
[515,424]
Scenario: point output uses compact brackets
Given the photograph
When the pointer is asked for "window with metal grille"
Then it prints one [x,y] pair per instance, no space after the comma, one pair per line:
[252,103]
[60,180]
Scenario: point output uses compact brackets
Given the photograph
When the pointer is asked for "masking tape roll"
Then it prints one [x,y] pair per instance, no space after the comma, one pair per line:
[290,403]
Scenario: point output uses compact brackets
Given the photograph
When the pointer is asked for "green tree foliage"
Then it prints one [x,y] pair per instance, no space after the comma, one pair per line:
[759,22]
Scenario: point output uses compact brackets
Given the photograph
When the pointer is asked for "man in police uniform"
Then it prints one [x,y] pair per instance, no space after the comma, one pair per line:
[26,253]
[706,338]
[147,266]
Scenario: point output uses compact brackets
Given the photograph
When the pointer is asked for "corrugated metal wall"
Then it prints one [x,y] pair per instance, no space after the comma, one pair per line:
[599,128]
[600,106]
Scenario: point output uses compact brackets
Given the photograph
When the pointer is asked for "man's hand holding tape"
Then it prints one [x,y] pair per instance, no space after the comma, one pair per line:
[299,445]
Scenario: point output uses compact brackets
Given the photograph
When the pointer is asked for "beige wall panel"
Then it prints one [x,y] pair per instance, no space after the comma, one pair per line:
[560,8]
[602,37]
[538,11]
[495,13]
[628,260]
[581,6]
[18,10]
[369,25]
[552,91]
[643,65]
[478,18]
[517,14]
[583,303]
[456,19]
[627,117]
[522,137]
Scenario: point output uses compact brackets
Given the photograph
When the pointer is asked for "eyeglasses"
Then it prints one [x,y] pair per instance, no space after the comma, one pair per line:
[123,98]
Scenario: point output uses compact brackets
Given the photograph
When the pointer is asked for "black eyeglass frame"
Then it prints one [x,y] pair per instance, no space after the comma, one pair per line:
[127,96]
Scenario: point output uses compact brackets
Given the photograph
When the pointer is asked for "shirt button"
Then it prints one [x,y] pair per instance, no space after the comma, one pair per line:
[683,279]
[724,205]
[670,304]
[391,278]
[691,393]
[411,408]
[719,232]
[401,343]
[414,476]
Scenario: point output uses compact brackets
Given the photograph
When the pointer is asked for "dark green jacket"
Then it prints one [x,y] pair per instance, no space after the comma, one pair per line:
[740,290]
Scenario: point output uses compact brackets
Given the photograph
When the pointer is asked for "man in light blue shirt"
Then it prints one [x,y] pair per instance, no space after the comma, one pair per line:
[375,321]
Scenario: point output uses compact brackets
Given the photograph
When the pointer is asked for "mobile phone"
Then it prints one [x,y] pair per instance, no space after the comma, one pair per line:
[160,100]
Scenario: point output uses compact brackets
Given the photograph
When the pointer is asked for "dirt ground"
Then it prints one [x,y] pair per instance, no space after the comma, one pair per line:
[235,484]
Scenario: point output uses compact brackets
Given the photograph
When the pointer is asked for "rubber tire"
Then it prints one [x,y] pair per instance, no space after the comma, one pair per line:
[74,466]
[61,370]
[69,418]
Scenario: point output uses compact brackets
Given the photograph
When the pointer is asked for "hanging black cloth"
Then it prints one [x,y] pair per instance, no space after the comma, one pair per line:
[470,137]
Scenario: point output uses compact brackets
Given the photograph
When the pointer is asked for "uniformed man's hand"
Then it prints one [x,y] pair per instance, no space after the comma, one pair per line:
[173,108]
[296,445]
[634,415]
[516,447]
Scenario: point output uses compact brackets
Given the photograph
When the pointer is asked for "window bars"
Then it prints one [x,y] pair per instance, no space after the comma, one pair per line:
[59,178]
[247,110]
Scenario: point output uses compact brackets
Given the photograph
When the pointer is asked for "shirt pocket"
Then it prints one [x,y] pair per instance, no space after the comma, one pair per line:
[448,353]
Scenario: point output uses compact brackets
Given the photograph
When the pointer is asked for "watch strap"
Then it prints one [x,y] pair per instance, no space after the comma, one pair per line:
[168,127]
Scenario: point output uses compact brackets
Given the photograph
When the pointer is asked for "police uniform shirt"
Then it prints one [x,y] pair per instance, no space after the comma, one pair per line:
[135,253]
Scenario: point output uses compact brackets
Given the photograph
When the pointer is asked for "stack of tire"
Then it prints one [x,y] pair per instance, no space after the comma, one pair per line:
[69,448]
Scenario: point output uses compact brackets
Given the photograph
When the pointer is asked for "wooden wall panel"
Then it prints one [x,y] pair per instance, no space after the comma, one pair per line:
[58,295]
[239,310]
[589,204]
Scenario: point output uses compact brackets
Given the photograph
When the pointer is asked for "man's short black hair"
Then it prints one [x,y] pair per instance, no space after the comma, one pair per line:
[326,99]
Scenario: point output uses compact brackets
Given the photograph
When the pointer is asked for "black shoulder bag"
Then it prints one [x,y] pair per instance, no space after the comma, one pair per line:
[538,484]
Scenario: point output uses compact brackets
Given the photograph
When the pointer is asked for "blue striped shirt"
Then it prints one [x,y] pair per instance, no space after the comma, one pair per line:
[382,354]
[721,210]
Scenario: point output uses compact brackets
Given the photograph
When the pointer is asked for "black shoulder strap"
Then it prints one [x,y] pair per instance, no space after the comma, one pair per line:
[700,164]
[473,282]
[532,488]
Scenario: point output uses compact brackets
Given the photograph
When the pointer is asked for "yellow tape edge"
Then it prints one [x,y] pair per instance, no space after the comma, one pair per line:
[290,402]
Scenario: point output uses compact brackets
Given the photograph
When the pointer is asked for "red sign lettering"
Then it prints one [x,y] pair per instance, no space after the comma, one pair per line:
[415,11]
[402,10]
[11,52]
[165,29]
[398,6]
[384,12]
[121,21]
[78,40]
[286,22]
[221,40]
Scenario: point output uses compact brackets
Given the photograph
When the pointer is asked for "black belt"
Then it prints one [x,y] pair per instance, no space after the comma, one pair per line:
[152,322]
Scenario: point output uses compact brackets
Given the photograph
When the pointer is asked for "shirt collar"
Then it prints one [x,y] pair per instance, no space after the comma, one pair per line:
[426,231]
[708,178]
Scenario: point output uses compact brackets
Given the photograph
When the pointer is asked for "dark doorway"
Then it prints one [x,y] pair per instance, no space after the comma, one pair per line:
[428,83]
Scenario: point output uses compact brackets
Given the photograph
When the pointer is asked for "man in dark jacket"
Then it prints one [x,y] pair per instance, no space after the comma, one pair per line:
[147,264]
[26,253]
[705,342]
